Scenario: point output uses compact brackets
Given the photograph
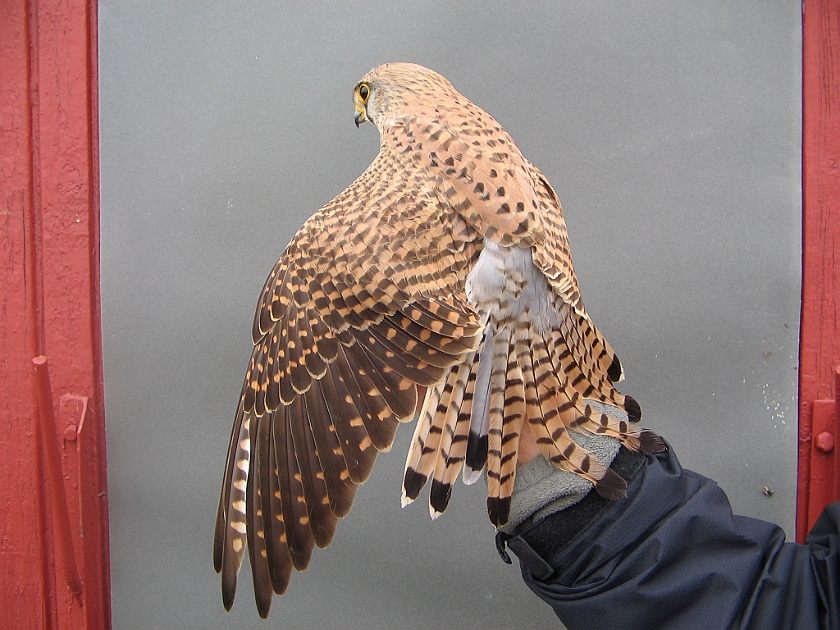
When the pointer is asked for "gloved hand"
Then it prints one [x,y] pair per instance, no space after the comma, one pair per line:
[541,488]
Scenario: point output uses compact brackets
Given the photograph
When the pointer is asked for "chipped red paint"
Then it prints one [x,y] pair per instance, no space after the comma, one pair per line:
[49,305]
[819,352]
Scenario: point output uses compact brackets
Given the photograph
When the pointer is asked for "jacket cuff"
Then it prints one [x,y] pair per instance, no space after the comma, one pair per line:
[543,536]
[541,488]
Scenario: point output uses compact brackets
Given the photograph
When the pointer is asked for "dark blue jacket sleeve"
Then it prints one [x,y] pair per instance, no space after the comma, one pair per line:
[672,555]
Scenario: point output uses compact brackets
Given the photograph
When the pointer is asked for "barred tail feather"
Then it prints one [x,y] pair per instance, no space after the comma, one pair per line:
[476,454]
[504,439]
[495,420]
[451,461]
[423,445]
[594,385]
[442,489]
[550,400]
[597,423]
[579,388]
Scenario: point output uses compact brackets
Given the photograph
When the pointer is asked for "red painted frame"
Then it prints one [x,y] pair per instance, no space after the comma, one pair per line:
[53,495]
[819,352]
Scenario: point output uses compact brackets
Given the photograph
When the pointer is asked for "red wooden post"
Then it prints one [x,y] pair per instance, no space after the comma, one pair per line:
[820,321]
[53,575]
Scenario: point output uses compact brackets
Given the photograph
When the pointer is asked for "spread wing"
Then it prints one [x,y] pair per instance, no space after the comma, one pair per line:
[366,303]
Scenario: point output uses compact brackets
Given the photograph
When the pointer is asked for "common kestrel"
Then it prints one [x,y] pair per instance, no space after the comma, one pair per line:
[445,265]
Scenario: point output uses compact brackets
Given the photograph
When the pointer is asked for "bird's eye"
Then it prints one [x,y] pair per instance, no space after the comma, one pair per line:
[364,92]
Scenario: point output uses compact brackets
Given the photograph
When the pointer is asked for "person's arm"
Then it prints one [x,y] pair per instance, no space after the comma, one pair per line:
[672,555]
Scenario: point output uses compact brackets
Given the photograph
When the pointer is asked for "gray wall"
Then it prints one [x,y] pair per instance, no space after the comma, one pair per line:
[671,131]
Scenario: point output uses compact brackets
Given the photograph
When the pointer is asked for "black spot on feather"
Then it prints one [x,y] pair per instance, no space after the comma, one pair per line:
[413,483]
[439,495]
[651,443]
[634,411]
[498,510]
[615,371]
[612,486]
[476,451]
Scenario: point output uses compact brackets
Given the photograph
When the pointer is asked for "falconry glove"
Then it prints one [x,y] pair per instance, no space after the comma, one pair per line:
[541,489]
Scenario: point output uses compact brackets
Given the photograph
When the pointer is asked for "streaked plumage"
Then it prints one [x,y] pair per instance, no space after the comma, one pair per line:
[444,265]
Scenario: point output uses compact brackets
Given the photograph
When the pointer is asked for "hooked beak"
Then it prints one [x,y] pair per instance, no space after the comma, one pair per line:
[360,116]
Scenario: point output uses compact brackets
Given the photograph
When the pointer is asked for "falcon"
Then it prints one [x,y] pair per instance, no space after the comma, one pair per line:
[444,268]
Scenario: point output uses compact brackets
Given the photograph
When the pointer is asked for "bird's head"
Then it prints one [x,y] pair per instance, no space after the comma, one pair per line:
[393,89]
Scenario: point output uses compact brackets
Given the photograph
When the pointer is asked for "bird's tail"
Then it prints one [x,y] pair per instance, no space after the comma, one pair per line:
[472,419]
